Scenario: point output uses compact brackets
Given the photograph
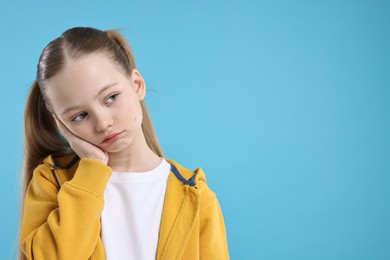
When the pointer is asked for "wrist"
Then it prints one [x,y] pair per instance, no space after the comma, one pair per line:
[103,160]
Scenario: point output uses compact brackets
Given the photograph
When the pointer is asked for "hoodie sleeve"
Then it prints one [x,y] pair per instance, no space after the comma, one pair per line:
[64,224]
[213,241]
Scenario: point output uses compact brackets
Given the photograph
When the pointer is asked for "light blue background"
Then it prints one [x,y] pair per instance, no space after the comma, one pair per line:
[284,104]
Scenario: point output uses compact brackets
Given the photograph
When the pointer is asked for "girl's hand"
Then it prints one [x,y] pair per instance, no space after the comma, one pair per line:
[82,148]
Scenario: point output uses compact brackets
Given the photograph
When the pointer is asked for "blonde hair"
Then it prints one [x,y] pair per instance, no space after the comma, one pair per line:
[41,135]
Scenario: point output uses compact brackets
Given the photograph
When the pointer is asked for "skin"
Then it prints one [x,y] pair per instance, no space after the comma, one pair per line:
[93,99]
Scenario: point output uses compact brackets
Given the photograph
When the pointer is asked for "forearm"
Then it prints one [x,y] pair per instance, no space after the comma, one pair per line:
[64,225]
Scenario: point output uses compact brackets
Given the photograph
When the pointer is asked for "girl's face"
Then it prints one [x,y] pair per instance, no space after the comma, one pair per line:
[98,102]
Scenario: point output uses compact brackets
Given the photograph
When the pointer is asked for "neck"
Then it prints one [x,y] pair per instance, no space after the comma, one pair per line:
[138,157]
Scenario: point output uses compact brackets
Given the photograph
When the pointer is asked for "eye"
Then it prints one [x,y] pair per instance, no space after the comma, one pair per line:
[111,99]
[79,117]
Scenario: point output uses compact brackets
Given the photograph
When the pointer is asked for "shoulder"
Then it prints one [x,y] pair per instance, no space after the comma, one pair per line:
[206,195]
[45,171]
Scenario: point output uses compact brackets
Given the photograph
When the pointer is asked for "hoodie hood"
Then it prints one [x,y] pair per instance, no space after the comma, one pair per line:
[182,174]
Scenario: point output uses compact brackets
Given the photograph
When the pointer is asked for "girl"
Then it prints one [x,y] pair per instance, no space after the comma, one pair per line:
[97,185]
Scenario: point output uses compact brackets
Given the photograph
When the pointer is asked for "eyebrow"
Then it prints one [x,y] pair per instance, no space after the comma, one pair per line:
[97,95]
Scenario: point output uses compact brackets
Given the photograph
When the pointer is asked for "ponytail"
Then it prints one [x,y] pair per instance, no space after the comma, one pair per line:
[149,133]
[124,48]
[41,135]
[41,139]
[147,125]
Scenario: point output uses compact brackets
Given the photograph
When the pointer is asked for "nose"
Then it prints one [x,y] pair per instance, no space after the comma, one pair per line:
[104,121]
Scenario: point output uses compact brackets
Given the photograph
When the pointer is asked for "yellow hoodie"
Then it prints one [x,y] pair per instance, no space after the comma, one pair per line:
[62,208]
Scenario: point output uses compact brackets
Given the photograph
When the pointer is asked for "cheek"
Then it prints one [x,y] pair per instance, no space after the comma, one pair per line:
[133,113]
[81,131]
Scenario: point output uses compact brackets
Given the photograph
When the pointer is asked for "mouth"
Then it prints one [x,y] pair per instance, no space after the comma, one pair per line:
[112,138]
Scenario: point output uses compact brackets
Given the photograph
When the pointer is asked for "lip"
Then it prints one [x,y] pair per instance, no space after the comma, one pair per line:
[112,138]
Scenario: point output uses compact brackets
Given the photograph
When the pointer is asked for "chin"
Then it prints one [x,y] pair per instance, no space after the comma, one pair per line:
[115,147]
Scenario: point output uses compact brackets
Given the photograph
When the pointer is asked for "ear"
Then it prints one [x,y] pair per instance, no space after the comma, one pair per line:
[138,83]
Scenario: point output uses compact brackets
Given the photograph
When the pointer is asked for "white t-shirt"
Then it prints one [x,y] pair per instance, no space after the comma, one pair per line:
[132,213]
